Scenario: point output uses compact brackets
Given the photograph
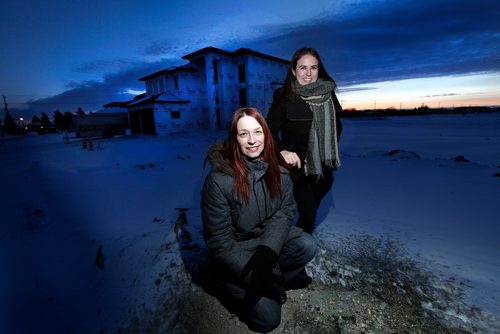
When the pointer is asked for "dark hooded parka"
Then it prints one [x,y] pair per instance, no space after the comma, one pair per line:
[233,228]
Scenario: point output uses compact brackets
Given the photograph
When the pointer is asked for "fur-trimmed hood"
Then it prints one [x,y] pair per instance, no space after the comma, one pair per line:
[215,158]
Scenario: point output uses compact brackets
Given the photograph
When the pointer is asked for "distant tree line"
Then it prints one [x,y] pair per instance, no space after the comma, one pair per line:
[61,122]
[9,125]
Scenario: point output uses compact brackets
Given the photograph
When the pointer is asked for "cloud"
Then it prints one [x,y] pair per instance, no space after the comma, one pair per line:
[438,95]
[92,95]
[355,89]
[172,51]
[398,40]
[158,48]
[366,42]
[105,65]
[451,94]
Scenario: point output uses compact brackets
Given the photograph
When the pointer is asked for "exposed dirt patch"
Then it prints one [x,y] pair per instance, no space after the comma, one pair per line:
[368,286]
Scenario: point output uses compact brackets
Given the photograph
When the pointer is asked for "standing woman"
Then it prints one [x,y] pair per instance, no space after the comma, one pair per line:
[247,210]
[305,119]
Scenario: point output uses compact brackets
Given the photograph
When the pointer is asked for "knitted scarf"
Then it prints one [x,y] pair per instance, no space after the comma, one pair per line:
[323,146]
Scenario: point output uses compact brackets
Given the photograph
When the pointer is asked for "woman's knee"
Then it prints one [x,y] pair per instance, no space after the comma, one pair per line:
[300,249]
[310,246]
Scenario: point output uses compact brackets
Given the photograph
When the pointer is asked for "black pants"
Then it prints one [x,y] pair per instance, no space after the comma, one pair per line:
[264,314]
[308,192]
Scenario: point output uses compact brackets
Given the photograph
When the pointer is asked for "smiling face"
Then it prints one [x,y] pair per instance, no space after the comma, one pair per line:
[306,71]
[250,137]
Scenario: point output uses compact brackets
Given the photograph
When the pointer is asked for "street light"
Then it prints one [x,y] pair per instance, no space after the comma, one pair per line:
[21,120]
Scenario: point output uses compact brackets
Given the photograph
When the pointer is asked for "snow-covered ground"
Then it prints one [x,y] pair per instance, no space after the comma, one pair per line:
[446,211]
[426,181]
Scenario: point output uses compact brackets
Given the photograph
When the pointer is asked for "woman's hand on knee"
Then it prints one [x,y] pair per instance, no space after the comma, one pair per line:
[258,271]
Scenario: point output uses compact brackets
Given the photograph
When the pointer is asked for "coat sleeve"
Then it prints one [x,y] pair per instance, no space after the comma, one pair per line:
[276,117]
[217,226]
[278,226]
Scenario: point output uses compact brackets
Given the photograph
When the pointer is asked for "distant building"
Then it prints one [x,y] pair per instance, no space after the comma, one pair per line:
[101,124]
[205,92]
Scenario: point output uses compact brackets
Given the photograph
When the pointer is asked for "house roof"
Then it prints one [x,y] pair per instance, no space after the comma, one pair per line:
[116,105]
[206,50]
[169,70]
[190,56]
[165,97]
[239,52]
[124,104]
[168,97]
[245,51]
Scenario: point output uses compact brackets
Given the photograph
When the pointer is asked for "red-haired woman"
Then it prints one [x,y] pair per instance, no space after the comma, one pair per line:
[247,211]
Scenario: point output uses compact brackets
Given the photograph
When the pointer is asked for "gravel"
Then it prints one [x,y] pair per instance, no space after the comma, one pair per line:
[370,285]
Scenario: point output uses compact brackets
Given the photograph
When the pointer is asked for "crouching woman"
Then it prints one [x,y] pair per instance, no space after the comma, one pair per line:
[248,209]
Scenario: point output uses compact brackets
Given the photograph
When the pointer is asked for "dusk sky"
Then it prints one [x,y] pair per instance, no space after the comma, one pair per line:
[65,54]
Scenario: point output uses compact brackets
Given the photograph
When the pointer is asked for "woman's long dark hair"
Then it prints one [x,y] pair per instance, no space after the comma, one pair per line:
[290,78]
[270,155]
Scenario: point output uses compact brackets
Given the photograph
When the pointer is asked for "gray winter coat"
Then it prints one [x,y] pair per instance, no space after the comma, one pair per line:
[232,228]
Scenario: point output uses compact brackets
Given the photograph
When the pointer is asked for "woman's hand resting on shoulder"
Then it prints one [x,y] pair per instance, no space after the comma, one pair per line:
[291,158]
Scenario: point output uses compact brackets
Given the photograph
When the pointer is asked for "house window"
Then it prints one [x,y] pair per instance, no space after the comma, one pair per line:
[241,73]
[243,97]
[175,114]
[216,71]
[176,82]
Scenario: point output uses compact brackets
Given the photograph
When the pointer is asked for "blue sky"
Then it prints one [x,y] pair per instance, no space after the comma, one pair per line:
[61,55]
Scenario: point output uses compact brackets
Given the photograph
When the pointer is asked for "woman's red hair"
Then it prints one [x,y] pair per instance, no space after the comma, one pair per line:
[270,155]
